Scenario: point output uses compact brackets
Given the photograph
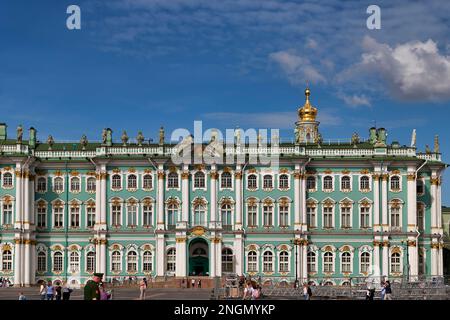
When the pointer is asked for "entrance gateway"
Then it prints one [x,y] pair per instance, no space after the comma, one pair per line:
[198,257]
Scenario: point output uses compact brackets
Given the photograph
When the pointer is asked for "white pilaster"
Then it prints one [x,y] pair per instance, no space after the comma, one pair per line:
[376,204]
[103,258]
[376,260]
[434,258]
[218,257]
[238,208]
[185,195]
[434,203]
[297,191]
[304,262]
[412,199]
[213,259]
[238,252]
[384,202]
[160,255]
[160,222]
[303,202]
[213,197]
[385,258]
[27,263]
[413,260]
[17,262]
[181,257]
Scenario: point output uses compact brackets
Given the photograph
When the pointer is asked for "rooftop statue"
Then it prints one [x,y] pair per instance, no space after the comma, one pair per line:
[140,138]
[124,138]
[104,135]
[436,144]
[427,149]
[19,134]
[84,141]
[50,142]
[413,139]
[161,136]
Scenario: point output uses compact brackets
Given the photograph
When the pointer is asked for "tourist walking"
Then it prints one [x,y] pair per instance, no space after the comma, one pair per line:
[248,291]
[22,296]
[383,291]
[193,283]
[388,291]
[199,283]
[50,291]
[58,292]
[66,291]
[143,288]
[306,290]
[43,290]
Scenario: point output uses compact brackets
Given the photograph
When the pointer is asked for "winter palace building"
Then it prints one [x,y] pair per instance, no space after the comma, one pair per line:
[328,212]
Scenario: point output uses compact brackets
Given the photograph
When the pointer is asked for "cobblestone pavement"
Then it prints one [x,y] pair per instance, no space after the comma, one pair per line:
[118,294]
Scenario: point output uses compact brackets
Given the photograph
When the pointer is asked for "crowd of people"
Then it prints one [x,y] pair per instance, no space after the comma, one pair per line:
[4,282]
[50,291]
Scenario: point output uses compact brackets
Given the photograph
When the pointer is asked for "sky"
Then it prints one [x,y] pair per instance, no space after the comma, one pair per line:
[141,64]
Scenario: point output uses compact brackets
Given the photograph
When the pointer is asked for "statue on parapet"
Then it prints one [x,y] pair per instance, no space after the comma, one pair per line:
[50,142]
[83,141]
[161,136]
[19,134]
[124,138]
[140,138]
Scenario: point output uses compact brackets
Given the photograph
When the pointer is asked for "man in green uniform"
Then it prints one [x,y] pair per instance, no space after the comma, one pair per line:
[91,289]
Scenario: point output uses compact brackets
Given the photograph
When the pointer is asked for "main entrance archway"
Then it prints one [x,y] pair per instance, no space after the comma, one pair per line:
[198,257]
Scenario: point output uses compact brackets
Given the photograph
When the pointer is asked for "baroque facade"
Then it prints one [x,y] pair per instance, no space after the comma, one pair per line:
[328,211]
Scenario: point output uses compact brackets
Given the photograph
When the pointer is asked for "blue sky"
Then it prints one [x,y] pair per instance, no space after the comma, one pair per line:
[139,64]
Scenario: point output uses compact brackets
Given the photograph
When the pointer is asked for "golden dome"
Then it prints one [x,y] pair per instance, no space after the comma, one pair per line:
[307,112]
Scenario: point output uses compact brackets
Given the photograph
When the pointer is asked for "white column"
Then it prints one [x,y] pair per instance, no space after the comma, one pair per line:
[180,270]
[385,263]
[439,204]
[98,255]
[297,223]
[303,202]
[18,216]
[103,257]
[160,255]
[412,199]
[238,182]
[27,263]
[185,196]
[98,200]
[32,206]
[213,258]
[434,259]
[376,259]
[33,262]
[17,262]
[213,186]
[413,260]
[376,202]
[218,257]
[238,253]
[304,262]
[160,222]
[384,202]
[103,201]
[434,203]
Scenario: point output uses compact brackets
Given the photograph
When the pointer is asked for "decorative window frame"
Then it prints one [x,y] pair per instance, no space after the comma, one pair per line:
[205,177]
[255,201]
[166,260]
[264,250]
[54,249]
[53,204]
[39,203]
[349,249]
[332,250]
[333,178]
[112,202]
[113,248]
[370,183]
[270,202]
[329,203]
[313,249]
[256,249]
[7,246]
[70,184]
[315,182]
[247,176]
[347,203]
[112,174]
[135,249]
[312,203]
[231,172]
[178,173]
[8,199]
[152,175]
[365,202]
[132,201]
[148,201]
[350,176]
[284,201]
[392,250]
[75,248]
[89,203]
[280,249]
[54,177]
[369,250]
[143,249]
[199,201]
[13,178]
[400,181]
[41,248]
[36,185]
[224,201]
[396,203]
[86,179]
[127,176]
[87,250]
[75,203]
[272,175]
[288,180]
[169,201]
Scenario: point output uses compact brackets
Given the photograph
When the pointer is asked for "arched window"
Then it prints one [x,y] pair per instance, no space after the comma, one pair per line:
[132,261]
[225,180]
[41,184]
[252,182]
[364,183]
[7,180]
[311,183]
[147,264]
[311,262]
[395,217]
[132,214]
[345,183]
[172,180]
[395,183]
[345,284]
[147,181]
[172,213]
[58,184]
[267,261]
[171,260]
[328,283]
[116,181]
[41,262]
[74,262]
[90,184]
[132,181]
[199,180]
[116,261]
[7,214]
[58,261]
[226,216]
[283,181]
[90,262]
[267,182]
[252,262]
[199,215]
[227,260]
[365,262]
[328,183]
[284,261]
[328,262]
[346,260]
[75,184]
[116,214]
[7,260]
[395,263]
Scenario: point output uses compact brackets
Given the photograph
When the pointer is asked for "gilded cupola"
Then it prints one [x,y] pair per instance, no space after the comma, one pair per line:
[307,112]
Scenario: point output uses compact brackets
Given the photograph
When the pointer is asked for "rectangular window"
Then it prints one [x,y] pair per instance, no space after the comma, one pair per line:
[268,214]
[345,217]
[90,217]
[395,218]
[252,263]
[346,263]
[365,217]
[116,215]
[311,217]
[58,217]
[75,217]
[132,216]
[251,213]
[328,217]
[284,214]
[147,215]
[7,214]
[41,217]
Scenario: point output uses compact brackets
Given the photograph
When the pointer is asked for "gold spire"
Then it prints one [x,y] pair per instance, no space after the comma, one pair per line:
[307,112]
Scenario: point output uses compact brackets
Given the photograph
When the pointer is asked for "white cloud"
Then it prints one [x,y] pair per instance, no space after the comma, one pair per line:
[355,100]
[412,71]
[299,70]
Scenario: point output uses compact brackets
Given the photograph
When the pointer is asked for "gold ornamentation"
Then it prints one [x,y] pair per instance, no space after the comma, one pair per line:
[434,181]
[172,169]
[284,202]
[6,247]
[216,240]
[199,202]
[395,171]
[180,240]
[395,203]
[198,231]
[238,174]
[376,176]
[411,243]
[171,201]
[328,249]
[161,175]
[364,171]
[396,250]
[251,202]
[284,170]
[298,175]
[74,173]
[411,177]
[213,175]
[345,171]
[385,243]
[365,203]
[57,248]
[307,112]
[328,203]
[251,170]
[185,175]
[227,169]
[346,203]
[311,203]
[377,243]
[435,245]
[385,177]
[116,170]
[131,170]
[328,171]
[268,202]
